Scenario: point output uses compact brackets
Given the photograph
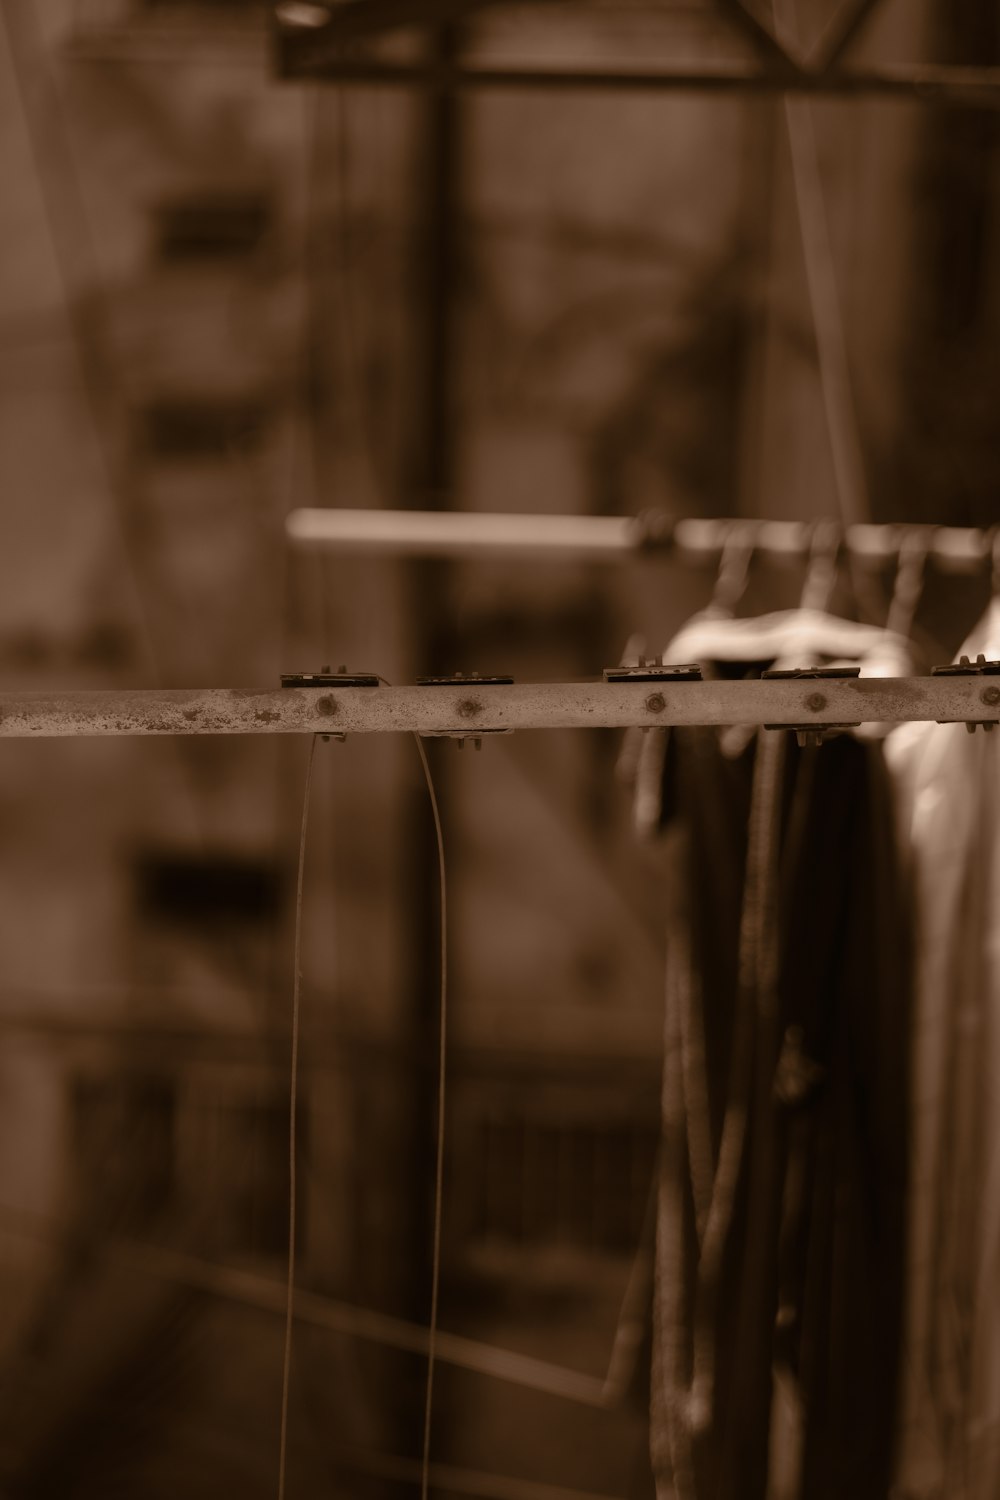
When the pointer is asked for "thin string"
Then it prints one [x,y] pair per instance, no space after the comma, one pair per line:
[439,1159]
[441,1100]
[286,1369]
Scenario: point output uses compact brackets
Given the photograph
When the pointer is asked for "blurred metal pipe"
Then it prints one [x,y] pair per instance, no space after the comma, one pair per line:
[319,1311]
[607,538]
[925,83]
[457,534]
[469,710]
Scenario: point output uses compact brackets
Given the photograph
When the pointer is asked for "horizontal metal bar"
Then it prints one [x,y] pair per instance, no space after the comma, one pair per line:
[930,83]
[461,533]
[319,1311]
[607,538]
[468,709]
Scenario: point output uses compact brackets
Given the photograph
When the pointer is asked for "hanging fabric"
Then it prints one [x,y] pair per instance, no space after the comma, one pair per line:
[948,780]
[780,1236]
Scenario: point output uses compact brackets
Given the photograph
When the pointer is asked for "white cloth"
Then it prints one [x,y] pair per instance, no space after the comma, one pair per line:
[786,639]
[950,821]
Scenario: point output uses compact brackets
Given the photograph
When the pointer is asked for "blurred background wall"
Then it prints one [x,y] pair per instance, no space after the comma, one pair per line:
[223,295]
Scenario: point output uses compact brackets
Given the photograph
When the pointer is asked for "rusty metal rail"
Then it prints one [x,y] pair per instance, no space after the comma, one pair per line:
[469,710]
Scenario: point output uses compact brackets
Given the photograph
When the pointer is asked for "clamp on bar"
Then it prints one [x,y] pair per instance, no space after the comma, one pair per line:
[990,695]
[470,706]
[325,678]
[813,734]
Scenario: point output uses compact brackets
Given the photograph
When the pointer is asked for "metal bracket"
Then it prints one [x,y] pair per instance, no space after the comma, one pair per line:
[464,679]
[813,734]
[834,672]
[654,672]
[461,679]
[325,678]
[991,695]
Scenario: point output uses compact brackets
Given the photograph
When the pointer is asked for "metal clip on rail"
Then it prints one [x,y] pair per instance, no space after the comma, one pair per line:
[466,707]
[990,695]
[325,678]
[813,734]
[648,672]
[653,671]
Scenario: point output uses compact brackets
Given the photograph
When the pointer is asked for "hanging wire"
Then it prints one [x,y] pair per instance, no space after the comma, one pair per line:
[441,1097]
[286,1368]
[441,1102]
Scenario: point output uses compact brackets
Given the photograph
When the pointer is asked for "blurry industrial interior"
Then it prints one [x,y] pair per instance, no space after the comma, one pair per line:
[224,294]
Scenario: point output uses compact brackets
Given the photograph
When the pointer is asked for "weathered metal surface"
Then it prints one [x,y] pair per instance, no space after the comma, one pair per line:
[467,710]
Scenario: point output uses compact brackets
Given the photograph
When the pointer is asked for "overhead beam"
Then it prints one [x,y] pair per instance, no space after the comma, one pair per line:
[926,83]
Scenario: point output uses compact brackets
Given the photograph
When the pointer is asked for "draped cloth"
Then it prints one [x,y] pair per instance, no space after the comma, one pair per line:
[781,1222]
[949,785]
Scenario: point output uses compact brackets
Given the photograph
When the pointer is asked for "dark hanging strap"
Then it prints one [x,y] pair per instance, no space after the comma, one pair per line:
[756,1004]
[670,1441]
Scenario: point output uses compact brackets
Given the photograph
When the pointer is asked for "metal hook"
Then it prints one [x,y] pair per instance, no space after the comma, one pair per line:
[734,568]
[825,543]
[911,568]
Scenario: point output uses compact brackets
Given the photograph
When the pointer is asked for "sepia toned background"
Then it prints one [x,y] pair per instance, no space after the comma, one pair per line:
[226,293]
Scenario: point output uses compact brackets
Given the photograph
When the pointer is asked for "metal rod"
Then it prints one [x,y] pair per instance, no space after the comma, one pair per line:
[928,83]
[317,1310]
[607,538]
[468,709]
[458,533]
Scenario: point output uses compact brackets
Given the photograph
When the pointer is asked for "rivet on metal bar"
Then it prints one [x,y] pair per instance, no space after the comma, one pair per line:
[813,734]
[989,695]
[325,678]
[466,708]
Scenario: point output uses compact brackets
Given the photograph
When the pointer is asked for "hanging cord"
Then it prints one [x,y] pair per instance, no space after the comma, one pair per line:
[630,1329]
[292,1131]
[286,1368]
[439,1159]
[441,1101]
[670,1434]
[755,979]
